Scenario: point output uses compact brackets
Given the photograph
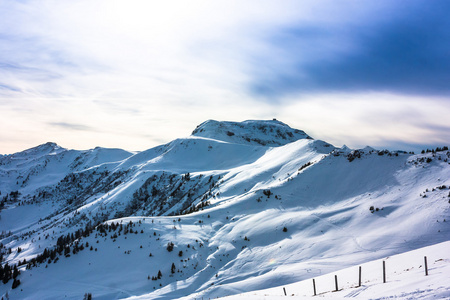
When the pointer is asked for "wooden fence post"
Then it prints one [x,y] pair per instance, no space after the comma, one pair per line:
[426,266]
[284,291]
[314,287]
[359,281]
[335,281]
[384,271]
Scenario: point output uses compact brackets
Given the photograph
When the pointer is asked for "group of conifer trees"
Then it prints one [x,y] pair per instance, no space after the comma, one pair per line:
[8,272]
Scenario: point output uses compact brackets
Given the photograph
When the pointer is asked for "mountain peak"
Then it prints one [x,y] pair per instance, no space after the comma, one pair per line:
[49,146]
[252,132]
[43,149]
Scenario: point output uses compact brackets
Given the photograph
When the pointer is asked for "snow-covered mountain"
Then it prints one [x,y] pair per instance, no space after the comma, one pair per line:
[234,207]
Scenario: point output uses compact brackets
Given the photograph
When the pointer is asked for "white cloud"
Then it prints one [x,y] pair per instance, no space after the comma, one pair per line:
[375,119]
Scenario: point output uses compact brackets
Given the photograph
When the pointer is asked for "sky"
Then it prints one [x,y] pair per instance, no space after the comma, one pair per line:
[136,74]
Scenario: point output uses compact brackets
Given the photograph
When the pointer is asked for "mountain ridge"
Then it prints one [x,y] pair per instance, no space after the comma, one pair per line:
[224,204]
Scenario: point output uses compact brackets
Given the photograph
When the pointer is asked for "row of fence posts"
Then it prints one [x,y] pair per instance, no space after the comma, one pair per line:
[360,277]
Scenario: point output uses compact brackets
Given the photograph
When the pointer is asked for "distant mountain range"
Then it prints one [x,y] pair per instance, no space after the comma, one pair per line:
[234,207]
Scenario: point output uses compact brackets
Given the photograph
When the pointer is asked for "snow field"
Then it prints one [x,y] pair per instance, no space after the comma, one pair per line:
[405,279]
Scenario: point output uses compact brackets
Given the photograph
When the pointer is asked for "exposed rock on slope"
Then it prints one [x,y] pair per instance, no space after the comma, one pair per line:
[265,133]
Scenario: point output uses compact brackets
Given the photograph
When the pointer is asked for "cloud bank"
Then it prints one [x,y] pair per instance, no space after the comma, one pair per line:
[402,48]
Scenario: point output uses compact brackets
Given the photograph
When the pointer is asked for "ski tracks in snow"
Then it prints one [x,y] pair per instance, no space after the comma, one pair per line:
[355,293]
[355,240]
[97,286]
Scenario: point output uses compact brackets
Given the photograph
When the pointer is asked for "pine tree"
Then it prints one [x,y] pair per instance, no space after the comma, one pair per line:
[16,272]
[87,296]
[16,283]
[2,272]
[6,273]
[173,269]
[170,246]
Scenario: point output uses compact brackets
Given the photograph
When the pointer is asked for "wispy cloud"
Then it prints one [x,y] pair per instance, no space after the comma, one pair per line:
[375,119]
[71,126]
[8,88]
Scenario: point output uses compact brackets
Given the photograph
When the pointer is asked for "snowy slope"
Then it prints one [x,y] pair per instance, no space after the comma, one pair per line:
[223,202]
[406,278]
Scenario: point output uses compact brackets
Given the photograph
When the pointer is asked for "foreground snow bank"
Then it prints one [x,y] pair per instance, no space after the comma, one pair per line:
[405,279]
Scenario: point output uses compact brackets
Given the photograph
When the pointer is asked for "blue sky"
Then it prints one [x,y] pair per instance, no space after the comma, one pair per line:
[135,74]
